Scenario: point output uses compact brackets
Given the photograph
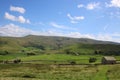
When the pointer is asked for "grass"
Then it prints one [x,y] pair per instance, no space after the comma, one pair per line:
[101,75]
[11,56]
[45,67]
[42,43]
[114,73]
[58,72]
[63,58]
[54,58]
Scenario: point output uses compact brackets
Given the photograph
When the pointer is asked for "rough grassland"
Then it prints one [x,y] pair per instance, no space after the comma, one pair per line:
[41,67]
[59,72]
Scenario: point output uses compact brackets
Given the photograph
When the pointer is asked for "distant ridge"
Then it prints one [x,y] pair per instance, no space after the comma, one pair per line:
[80,40]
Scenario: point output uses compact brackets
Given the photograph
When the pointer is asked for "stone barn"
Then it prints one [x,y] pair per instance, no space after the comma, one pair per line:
[108,60]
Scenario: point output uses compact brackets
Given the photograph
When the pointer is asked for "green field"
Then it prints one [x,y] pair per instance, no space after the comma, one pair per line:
[57,67]
[54,58]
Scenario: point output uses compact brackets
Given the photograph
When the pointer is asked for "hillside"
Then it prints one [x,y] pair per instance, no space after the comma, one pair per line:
[47,43]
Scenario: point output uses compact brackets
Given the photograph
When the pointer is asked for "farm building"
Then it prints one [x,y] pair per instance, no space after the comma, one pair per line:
[108,60]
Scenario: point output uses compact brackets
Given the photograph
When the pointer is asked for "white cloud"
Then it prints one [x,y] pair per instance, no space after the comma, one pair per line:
[92,6]
[20,19]
[116,12]
[106,37]
[14,30]
[17,9]
[56,25]
[103,37]
[75,19]
[73,22]
[10,17]
[80,6]
[17,31]
[78,35]
[114,3]
[59,26]
[116,34]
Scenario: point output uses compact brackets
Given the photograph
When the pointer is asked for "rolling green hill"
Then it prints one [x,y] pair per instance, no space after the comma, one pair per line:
[52,44]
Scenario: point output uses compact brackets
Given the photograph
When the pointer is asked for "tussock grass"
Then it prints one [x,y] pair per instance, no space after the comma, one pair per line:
[58,72]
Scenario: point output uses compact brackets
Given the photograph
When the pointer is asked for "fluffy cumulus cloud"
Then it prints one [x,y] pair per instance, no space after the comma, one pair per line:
[75,19]
[92,6]
[17,9]
[14,30]
[113,3]
[10,17]
[20,19]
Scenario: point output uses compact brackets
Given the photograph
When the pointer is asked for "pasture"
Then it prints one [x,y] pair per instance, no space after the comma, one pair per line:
[54,58]
[57,67]
[59,72]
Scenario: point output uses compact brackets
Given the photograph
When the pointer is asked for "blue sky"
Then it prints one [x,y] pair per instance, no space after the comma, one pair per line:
[96,19]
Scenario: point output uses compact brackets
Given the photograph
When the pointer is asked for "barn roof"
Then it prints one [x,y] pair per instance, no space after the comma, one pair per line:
[109,58]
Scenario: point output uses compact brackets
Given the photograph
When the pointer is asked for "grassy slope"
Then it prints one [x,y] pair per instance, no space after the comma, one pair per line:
[91,48]
[9,44]
[33,43]
[84,46]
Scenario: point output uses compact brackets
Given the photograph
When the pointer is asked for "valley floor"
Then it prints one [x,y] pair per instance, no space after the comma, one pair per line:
[47,67]
[59,72]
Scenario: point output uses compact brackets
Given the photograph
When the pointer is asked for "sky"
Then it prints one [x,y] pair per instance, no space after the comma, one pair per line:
[95,19]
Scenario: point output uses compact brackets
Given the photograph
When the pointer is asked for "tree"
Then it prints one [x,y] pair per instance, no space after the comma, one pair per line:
[96,52]
[6,52]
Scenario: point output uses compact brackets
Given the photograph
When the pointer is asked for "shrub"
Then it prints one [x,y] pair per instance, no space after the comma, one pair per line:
[4,52]
[30,53]
[28,76]
[72,62]
[17,61]
[92,60]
